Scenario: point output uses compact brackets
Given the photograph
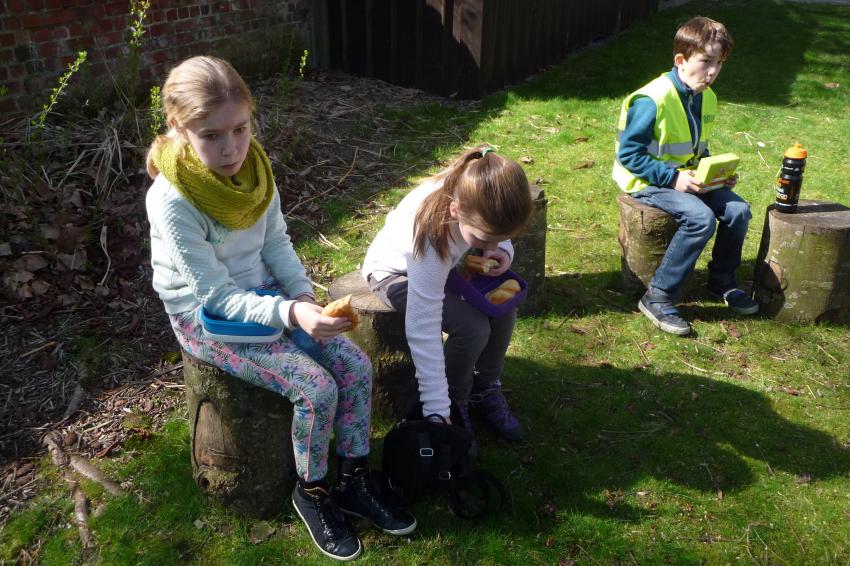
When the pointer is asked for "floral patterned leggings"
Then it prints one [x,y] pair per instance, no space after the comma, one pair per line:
[334,394]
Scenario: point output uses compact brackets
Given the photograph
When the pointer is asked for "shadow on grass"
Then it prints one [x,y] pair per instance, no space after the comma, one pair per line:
[760,70]
[585,294]
[596,436]
[595,433]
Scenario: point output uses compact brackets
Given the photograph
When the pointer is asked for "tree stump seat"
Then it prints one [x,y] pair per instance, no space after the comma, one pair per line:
[381,336]
[241,440]
[802,271]
[645,232]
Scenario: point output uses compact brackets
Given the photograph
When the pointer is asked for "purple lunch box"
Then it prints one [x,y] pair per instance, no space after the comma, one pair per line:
[473,291]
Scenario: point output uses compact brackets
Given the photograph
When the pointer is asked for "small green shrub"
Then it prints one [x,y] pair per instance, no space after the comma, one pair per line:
[56,93]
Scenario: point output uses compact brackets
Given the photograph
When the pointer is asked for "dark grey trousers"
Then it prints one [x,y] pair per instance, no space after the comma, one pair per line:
[476,346]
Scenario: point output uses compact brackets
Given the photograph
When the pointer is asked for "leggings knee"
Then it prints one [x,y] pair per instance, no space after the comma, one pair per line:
[322,394]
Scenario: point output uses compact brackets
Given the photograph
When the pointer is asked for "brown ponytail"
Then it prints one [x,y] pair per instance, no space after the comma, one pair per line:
[488,188]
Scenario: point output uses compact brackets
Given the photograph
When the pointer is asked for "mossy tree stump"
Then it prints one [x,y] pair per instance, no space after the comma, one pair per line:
[381,336]
[802,271]
[530,253]
[645,233]
[241,440]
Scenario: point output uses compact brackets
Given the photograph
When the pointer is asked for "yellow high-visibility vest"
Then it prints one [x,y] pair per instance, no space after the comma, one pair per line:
[671,137]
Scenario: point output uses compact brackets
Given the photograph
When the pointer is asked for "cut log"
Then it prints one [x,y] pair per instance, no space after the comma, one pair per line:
[241,440]
[645,233]
[381,336]
[802,271]
[530,254]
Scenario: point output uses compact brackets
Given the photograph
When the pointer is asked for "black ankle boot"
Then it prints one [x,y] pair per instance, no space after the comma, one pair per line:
[328,528]
[356,494]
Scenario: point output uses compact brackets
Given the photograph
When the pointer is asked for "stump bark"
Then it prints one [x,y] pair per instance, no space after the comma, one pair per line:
[802,271]
[241,440]
[381,336]
[645,233]
[530,253]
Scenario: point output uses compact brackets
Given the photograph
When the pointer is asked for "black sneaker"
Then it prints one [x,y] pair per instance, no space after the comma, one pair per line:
[359,496]
[736,299]
[328,528]
[663,314]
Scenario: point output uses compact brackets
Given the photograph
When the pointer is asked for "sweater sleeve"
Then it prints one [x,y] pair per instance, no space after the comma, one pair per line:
[427,276]
[634,141]
[279,255]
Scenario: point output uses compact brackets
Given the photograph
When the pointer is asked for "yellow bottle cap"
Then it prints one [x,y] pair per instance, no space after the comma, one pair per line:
[796,151]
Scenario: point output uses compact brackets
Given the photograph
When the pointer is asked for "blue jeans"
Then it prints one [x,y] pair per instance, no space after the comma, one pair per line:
[696,216]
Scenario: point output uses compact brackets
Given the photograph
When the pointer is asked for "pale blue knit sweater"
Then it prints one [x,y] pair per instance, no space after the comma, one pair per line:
[197,261]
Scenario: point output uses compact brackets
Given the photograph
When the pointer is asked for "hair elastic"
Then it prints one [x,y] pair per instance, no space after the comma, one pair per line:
[487,150]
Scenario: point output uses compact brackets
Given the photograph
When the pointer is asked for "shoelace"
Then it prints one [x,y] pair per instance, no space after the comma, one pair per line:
[366,488]
[329,516]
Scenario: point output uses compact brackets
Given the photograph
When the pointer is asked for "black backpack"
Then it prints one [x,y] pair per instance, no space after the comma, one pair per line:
[424,457]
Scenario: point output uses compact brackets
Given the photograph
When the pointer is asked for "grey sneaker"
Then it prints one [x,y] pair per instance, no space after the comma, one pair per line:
[663,314]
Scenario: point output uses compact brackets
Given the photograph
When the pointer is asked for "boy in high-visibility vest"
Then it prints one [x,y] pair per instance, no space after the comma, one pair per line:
[662,134]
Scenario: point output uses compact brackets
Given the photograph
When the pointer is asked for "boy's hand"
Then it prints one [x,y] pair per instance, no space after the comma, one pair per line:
[686,182]
[502,257]
[732,181]
[309,317]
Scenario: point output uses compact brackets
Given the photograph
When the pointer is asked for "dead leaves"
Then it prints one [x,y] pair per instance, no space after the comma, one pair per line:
[260,532]
[614,498]
[586,164]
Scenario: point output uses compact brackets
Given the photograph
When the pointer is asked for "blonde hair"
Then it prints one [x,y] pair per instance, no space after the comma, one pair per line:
[695,35]
[194,89]
[489,189]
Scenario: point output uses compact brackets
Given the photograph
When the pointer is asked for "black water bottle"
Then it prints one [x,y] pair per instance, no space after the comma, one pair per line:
[790,178]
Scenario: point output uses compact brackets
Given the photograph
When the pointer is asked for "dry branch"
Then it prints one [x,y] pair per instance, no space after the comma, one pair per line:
[79,464]
[81,517]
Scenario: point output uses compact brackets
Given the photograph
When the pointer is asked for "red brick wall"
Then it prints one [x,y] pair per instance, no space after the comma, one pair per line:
[38,38]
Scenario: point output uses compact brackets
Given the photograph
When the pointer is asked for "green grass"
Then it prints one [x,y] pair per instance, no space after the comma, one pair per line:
[730,446]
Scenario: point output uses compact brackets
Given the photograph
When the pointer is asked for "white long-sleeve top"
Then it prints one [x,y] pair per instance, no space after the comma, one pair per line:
[198,261]
[391,252]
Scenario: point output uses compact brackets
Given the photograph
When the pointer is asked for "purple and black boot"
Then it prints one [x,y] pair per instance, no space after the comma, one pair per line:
[466,422]
[490,403]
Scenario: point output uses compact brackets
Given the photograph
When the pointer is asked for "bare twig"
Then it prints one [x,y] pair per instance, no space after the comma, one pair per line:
[81,517]
[106,253]
[350,169]
[38,349]
[74,404]
[79,464]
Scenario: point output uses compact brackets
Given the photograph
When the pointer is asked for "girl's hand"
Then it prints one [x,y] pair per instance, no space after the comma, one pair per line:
[309,317]
[502,257]
[686,182]
[438,419]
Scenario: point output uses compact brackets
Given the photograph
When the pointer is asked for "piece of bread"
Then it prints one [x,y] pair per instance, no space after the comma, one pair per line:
[511,285]
[478,264]
[504,292]
[498,296]
[342,307]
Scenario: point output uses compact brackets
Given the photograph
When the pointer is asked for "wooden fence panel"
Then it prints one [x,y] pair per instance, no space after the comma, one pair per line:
[463,47]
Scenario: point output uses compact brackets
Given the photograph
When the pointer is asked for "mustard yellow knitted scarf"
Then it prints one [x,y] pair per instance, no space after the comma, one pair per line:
[236,202]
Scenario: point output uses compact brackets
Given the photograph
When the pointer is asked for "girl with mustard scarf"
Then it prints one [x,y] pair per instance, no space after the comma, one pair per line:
[217,235]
